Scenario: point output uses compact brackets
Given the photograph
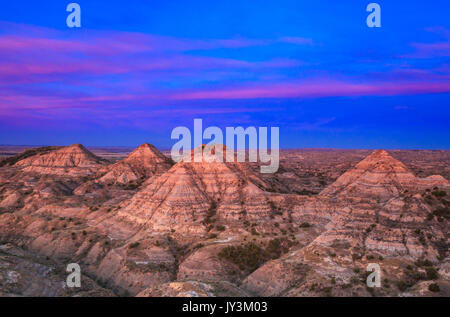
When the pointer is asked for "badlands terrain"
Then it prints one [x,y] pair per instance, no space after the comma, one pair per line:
[140,225]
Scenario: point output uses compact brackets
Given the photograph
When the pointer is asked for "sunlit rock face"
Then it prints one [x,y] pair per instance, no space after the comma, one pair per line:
[190,193]
[73,160]
[380,176]
[144,162]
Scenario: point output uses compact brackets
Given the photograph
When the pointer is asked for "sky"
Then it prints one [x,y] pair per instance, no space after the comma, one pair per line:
[135,71]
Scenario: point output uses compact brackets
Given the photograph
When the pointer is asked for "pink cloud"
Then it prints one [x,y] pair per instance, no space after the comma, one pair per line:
[430,50]
[77,62]
[31,70]
[35,55]
[319,89]
[20,37]
[434,49]
[296,40]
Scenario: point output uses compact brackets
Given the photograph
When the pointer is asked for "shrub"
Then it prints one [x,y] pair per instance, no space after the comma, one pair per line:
[432,273]
[251,256]
[134,245]
[211,213]
[402,286]
[305,192]
[220,228]
[131,186]
[248,257]
[254,232]
[439,193]
[434,288]
[442,212]
[421,263]
[422,239]
[327,291]
[356,256]
[305,225]
[274,248]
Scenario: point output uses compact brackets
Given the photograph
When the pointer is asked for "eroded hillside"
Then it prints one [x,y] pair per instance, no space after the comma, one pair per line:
[146,226]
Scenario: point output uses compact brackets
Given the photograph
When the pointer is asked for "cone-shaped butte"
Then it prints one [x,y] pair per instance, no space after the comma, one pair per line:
[71,156]
[74,160]
[191,193]
[379,176]
[144,162]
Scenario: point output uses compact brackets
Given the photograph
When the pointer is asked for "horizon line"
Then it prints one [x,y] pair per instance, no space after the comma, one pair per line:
[281,148]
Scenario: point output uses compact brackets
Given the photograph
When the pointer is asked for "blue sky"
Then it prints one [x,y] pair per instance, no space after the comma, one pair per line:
[136,70]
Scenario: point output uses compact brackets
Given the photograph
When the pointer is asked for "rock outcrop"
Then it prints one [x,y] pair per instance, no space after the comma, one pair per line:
[380,176]
[144,162]
[73,160]
[187,196]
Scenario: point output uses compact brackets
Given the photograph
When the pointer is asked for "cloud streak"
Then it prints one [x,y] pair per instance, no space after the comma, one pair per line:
[113,75]
[320,89]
